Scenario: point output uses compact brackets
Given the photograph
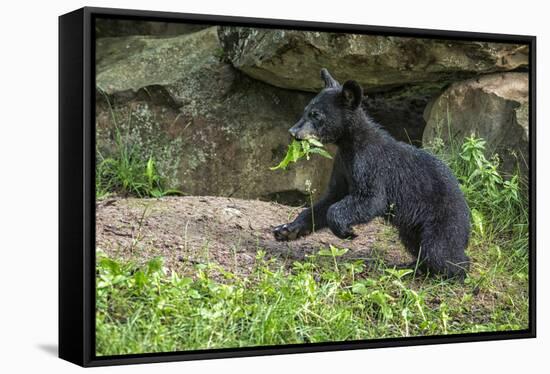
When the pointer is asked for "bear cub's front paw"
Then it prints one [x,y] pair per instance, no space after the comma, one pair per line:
[288,231]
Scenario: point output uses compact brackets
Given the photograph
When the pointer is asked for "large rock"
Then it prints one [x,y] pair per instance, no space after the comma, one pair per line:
[213,130]
[135,62]
[494,107]
[292,59]
[399,75]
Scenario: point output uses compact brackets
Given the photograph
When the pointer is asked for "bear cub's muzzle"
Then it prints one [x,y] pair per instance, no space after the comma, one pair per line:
[303,130]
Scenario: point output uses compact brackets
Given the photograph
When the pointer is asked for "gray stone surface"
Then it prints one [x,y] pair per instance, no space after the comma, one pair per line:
[292,59]
[494,107]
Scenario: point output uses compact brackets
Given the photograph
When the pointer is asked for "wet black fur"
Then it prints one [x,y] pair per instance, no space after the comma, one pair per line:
[375,175]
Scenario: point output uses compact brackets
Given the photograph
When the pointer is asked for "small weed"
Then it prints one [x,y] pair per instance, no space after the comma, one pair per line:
[134,156]
[127,173]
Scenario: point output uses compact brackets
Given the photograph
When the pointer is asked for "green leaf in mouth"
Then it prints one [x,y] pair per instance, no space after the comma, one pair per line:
[298,149]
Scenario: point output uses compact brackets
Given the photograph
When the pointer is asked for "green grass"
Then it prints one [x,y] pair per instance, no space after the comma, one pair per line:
[146,308]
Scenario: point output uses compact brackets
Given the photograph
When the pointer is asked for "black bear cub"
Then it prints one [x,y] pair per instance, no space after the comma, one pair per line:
[375,175]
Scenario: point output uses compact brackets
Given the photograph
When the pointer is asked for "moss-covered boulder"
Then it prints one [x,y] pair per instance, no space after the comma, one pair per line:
[131,63]
[494,107]
[213,130]
[107,27]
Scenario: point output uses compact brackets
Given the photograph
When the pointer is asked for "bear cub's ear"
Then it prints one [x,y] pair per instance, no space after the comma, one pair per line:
[329,81]
[352,93]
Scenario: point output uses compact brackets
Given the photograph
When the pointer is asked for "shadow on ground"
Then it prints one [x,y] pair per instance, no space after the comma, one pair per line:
[50,349]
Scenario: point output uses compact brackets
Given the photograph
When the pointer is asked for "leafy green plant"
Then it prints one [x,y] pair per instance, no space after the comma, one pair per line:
[127,173]
[299,149]
[499,206]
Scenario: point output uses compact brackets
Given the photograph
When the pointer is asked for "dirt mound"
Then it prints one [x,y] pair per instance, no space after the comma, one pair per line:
[228,231]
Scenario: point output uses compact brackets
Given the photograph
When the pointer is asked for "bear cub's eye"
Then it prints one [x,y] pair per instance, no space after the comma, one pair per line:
[315,114]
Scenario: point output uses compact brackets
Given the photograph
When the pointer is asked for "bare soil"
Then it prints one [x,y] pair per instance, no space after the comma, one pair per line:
[189,230]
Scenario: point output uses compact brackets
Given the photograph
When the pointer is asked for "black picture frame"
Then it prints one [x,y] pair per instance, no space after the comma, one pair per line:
[77,197]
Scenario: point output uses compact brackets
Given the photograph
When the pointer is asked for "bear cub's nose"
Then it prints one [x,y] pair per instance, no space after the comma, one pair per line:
[293,131]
